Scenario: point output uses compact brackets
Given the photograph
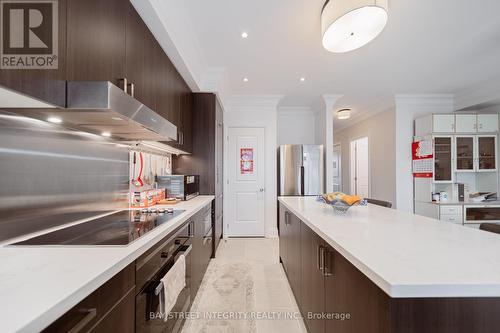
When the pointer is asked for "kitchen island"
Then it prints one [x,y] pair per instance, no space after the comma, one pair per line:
[38,284]
[398,272]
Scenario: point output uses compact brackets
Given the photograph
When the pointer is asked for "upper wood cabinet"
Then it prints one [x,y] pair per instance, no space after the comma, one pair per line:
[96,40]
[48,85]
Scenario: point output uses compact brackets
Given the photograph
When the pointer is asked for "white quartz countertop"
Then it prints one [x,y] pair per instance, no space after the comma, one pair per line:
[38,284]
[408,255]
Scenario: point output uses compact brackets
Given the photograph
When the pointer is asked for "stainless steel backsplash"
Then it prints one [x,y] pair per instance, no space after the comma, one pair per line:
[50,175]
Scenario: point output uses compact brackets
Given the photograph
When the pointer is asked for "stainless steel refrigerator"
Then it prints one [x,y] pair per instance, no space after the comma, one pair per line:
[301,170]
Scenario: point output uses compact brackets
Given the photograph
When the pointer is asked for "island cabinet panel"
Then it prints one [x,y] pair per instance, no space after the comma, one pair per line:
[48,85]
[313,280]
[350,292]
[290,251]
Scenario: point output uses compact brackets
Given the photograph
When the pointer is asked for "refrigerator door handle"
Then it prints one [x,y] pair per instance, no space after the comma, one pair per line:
[302,184]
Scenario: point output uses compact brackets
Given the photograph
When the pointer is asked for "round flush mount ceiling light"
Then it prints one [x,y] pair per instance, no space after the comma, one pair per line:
[344,114]
[350,24]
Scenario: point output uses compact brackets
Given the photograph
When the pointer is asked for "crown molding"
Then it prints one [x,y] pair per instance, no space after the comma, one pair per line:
[425,100]
[253,101]
[330,101]
[295,110]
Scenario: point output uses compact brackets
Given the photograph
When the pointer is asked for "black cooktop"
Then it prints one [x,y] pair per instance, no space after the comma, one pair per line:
[120,228]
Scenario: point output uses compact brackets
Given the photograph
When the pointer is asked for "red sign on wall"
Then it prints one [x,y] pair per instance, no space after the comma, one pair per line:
[421,152]
[246,161]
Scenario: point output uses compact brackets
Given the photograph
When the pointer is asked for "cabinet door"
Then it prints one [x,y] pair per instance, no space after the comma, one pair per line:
[465,123]
[313,297]
[48,85]
[350,292]
[284,216]
[487,122]
[486,153]
[294,256]
[465,153]
[140,69]
[187,120]
[443,123]
[443,159]
[96,40]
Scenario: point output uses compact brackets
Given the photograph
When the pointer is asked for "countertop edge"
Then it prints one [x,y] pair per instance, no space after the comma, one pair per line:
[45,319]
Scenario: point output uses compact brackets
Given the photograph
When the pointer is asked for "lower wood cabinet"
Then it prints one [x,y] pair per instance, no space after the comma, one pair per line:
[335,297]
[111,308]
[202,248]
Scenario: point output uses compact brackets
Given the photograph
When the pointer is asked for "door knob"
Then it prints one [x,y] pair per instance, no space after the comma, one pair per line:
[261,190]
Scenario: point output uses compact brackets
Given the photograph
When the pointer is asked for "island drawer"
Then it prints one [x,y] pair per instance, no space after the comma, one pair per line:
[451,210]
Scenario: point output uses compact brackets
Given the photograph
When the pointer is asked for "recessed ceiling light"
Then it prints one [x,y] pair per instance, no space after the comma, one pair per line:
[344,114]
[244,35]
[302,79]
[116,118]
[245,79]
[55,120]
[106,134]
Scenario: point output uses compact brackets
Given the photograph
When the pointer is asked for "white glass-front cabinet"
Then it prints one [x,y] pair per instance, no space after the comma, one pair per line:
[443,159]
[465,154]
[475,153]
[486,153]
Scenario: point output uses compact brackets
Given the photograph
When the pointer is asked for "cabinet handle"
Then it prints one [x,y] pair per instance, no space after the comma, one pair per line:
[480,126]
[91,313]
[287,217]
[322,259]
[191,229]
[131,85]
[319,257]
[122,84]
[327,271]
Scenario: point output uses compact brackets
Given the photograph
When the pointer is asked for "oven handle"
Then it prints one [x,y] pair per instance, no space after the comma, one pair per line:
[159,287]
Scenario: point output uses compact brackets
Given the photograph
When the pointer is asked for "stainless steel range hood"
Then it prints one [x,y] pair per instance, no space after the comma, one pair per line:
[99,107]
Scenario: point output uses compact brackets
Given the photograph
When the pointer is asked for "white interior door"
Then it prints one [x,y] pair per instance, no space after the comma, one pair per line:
[360,167]
[246,182]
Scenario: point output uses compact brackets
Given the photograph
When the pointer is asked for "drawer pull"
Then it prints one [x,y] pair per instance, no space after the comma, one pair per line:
[91,314]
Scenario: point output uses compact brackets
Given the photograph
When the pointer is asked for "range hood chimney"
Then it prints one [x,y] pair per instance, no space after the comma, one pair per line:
[101,107]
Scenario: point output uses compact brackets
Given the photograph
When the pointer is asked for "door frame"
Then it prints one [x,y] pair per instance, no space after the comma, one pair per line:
[369,162]
[226,184]
[339,167]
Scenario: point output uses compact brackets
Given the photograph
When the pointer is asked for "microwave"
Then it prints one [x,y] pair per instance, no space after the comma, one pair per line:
[182,187]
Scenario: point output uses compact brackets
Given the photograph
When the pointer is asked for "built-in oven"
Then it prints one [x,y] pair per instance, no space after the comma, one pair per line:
[474,215]
[150,268]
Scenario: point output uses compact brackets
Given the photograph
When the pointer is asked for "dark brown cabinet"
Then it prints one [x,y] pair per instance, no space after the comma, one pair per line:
[48,85]
[292,255]
[313,279]
[206,159]
[96,40]
[202,248]
[110,307]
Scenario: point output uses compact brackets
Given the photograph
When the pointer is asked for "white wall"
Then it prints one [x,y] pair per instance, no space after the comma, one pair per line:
[381,131]
[257,111]
[408,108]
[296,126]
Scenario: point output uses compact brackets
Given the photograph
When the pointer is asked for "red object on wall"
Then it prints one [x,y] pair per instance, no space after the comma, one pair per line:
[246,161]
[422,157]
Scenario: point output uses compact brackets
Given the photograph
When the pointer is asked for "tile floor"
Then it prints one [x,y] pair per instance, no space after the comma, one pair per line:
[247,280]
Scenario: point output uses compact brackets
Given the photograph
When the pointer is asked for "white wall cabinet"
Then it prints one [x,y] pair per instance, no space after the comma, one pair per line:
[443,123]
[487,123]
[465,123]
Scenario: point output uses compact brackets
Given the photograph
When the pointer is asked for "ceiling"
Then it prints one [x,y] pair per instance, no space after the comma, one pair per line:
[428,46]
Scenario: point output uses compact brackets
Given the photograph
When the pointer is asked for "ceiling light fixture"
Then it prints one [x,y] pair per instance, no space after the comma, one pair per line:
[245,79]
[302,79]
[244,35]
[347,25]
[106,134]
[344,114]
[55,120]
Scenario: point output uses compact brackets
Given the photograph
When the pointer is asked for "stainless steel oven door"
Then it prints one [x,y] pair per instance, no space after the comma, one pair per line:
[148,315]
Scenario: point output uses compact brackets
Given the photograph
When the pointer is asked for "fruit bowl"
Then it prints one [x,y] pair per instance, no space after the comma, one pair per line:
[341,202]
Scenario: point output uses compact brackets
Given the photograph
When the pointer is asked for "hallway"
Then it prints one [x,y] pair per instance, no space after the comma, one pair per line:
[245,290]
